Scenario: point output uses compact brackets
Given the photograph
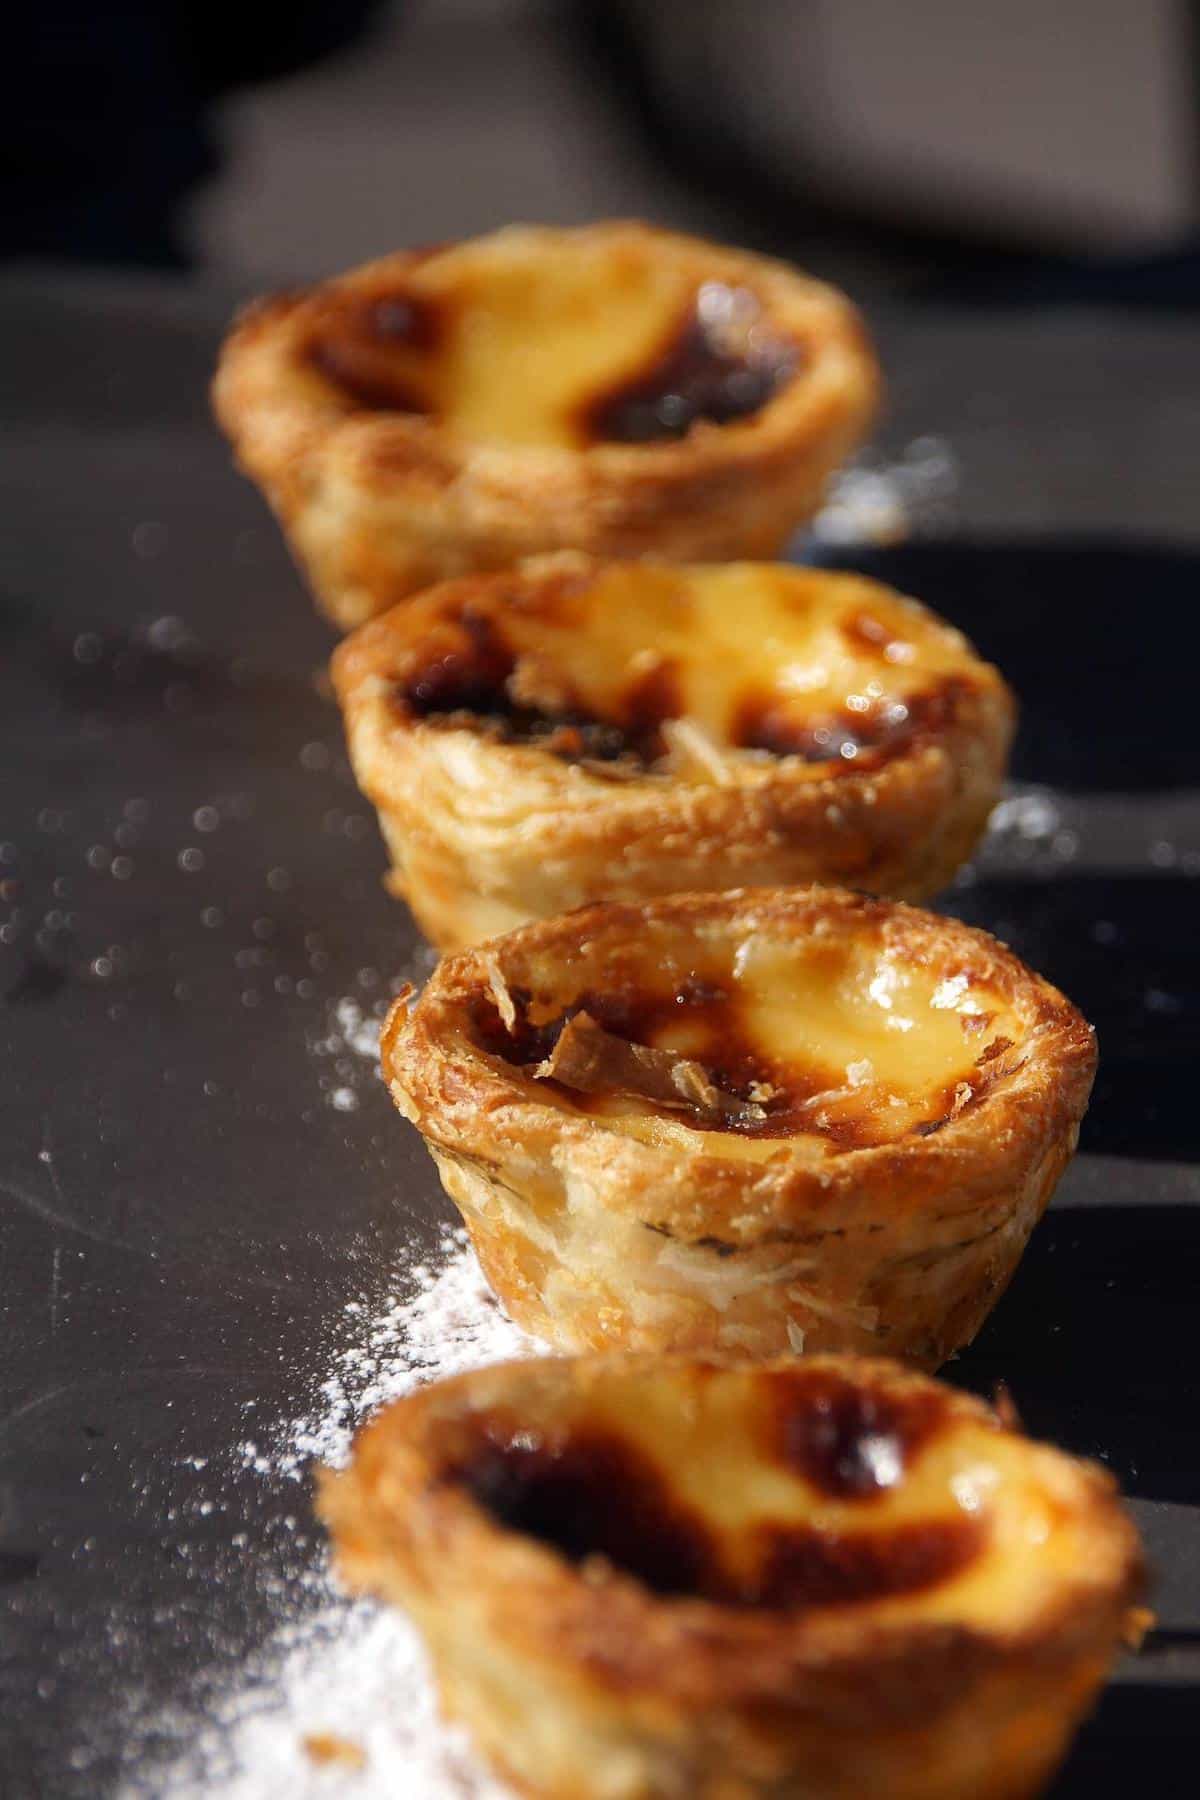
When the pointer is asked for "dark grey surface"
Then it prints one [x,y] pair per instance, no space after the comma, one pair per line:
[183,1211]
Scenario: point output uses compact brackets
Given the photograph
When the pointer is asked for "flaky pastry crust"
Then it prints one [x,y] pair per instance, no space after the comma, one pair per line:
[614,388]
[642,1578]
[840,1121]
[575,730]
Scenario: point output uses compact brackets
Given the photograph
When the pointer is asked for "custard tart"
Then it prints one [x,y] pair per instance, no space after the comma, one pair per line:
[577,730]
[752,1122]
[613,388]
[672,1580]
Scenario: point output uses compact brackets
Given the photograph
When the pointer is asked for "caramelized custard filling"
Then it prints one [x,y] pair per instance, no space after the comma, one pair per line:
[719,364]
[557,353]
[668,671]
[804,1529]
[372,350]
[841,1041]
[847,1439]
[865,735]
[472,675]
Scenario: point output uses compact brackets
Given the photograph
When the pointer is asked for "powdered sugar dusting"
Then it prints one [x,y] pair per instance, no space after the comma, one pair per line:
[359,1031]
[339,1671]
[359,1674]
[452,1323]
[348,1044]
[884,502]
[1027,815]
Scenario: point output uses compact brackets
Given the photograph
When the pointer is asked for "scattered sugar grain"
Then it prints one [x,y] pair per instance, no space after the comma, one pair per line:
[356,1676]
[339,1672]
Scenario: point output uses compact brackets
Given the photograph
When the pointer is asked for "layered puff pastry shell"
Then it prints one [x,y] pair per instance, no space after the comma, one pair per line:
[755,1123]
[649,1580]
[614,388]
[576,730]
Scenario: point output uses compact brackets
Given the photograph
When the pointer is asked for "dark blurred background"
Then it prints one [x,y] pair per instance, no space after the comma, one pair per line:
[926,149]
[1012,192]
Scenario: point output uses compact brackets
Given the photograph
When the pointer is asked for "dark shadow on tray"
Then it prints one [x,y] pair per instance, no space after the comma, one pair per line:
[1102,1305]
[1097,637]
[1142,1738]
[1124,948]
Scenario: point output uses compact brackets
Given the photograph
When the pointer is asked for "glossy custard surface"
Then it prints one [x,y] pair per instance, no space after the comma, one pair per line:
[560,347]
[758,661]
[838,1038]
[812,1489]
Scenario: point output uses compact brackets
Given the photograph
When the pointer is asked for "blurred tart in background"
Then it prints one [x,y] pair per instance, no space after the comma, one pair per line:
[612,388]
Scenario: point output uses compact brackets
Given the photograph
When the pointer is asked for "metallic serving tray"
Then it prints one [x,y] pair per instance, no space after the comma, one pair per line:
[194,1182]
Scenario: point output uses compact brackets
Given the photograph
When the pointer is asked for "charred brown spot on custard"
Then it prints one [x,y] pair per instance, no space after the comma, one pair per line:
[356,344]
[849,1439]
[863,737]
[652,697]
[523,1042]
[626,1008]
[470,673]
[813,1568]
[702,1020]
[591,1494]
[463,667]
[705,1025]
[718,363]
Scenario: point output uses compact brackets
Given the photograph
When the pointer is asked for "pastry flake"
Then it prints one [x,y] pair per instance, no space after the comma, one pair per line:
[752,1123]
[613,388]
[820,1581]
[576,730]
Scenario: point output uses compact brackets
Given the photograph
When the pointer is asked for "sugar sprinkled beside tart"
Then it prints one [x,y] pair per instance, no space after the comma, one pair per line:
[820,1581]
[612,388]
[577,730]
[749,1122]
